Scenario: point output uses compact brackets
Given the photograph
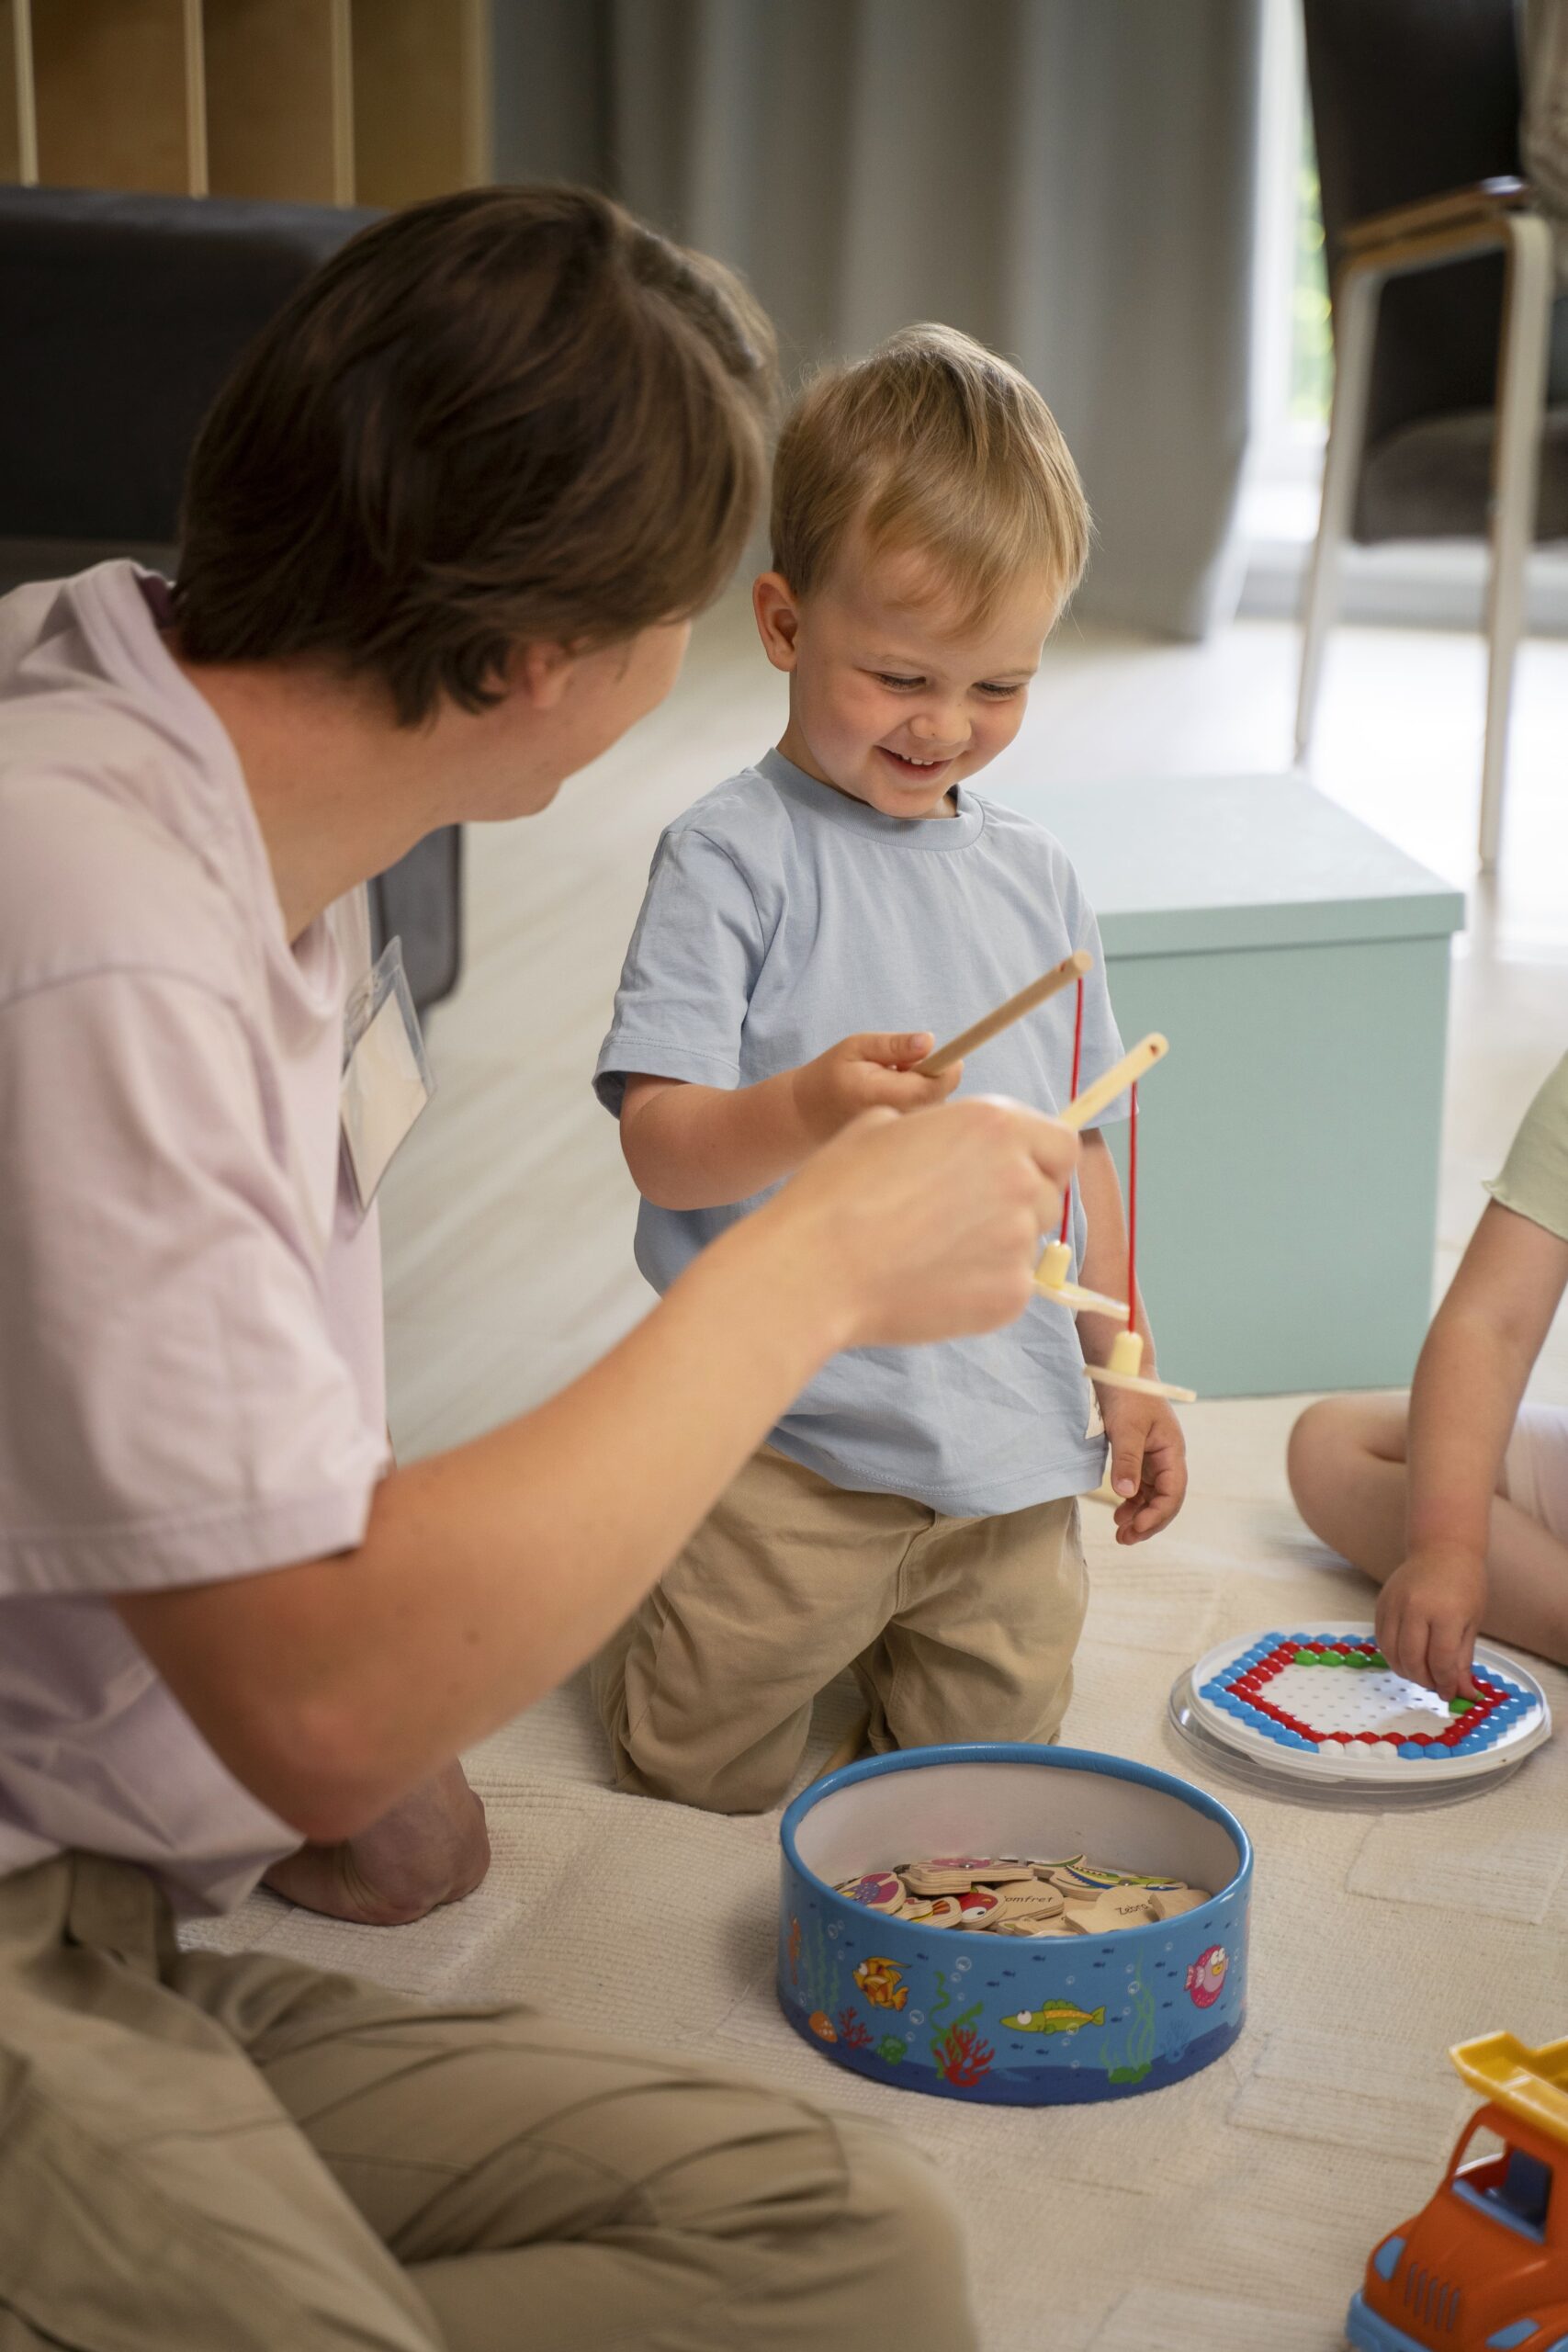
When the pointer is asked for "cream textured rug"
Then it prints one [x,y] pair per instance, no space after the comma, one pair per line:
[1230,2212]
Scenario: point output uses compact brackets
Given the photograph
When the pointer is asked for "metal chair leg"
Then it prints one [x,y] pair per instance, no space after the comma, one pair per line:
[1355,327]
[1522,401]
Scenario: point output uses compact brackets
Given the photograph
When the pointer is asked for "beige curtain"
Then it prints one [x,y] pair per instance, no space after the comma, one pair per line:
[1070,180]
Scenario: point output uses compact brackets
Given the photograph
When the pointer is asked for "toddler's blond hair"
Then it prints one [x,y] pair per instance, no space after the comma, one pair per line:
[935,445]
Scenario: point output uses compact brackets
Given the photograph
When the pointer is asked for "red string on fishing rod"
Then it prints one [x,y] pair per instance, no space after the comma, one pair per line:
[1133,1214]
[1077,1063]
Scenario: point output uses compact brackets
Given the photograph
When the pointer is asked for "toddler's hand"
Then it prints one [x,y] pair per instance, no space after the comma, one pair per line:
[1427,1617]
[867,1073]
[1148,1462]
[914,1230]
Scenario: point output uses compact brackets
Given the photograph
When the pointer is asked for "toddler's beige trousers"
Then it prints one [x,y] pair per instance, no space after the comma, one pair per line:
[200,2153]
[957,1629]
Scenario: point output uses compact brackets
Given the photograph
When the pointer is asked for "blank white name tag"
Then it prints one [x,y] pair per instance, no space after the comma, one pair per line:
[386,1079]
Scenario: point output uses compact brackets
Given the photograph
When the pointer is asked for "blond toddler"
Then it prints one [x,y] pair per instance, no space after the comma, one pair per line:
[810,926]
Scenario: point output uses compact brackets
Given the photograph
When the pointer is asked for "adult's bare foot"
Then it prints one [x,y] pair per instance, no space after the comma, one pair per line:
[431,1849]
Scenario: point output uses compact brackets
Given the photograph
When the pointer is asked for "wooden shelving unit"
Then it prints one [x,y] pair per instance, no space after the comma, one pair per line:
[279,99]
[314,101]
[117,93]
[421,99]
[19,120]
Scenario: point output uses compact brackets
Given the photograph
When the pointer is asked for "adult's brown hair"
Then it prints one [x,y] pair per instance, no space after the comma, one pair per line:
[514,416]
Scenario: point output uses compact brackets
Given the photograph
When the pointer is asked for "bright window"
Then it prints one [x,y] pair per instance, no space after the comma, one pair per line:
[1312,344]
[1293,357]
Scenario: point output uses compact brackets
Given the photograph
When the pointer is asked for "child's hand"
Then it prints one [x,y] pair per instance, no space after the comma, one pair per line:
[866,1073]
[1148,1462]
[902,1230]
[1427,1617]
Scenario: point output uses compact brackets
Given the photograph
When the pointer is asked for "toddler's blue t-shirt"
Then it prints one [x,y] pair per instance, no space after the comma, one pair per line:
[780,916]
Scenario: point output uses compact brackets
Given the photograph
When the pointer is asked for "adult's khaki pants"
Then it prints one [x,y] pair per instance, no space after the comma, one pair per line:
[200,2153]
[957,1629]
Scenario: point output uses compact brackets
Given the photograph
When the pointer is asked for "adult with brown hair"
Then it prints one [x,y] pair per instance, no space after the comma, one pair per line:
[444,535]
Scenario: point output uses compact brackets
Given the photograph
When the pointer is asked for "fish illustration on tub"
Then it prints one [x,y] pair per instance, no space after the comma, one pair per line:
[1053,2017]
[1206,1977]
[882,1982]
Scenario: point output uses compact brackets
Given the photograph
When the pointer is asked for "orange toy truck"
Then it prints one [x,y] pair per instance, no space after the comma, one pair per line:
[1483,2267]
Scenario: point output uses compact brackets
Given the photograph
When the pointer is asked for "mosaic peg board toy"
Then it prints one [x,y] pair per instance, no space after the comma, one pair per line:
[1326,1705]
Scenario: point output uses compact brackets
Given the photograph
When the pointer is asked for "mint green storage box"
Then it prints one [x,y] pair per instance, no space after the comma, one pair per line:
[1287,1148]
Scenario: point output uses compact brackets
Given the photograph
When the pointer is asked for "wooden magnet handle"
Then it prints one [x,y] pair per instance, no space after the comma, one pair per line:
[1072,967]
[1085,1108]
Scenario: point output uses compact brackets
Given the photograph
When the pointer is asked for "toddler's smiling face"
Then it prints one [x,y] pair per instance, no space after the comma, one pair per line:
[897,694]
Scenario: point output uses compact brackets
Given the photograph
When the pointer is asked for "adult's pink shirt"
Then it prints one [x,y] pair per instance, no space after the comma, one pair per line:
[191,1382]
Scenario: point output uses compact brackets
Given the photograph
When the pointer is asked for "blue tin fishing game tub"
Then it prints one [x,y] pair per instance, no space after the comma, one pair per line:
[1005,2019]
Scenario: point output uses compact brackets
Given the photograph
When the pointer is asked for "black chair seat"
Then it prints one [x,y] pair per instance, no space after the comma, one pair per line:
[1432,480]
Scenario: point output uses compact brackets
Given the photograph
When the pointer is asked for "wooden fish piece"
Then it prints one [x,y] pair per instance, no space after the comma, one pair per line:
[1118,1907]
[978,1907]
[956,1874]
[1084,1879]
[877,1891]
[933,1911]
[1028,1899]
[1170,1903]
[937,1878]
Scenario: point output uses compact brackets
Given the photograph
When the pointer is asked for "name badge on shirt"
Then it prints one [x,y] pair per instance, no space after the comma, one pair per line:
[387,1077]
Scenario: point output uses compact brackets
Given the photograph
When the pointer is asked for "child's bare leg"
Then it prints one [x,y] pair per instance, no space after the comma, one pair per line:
[1347,1471]
[1528,1601]
[1346,1466]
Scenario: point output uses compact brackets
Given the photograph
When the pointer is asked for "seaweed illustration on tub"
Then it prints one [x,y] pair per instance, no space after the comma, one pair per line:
[962,2058]
[1138,2051]
[958,2053]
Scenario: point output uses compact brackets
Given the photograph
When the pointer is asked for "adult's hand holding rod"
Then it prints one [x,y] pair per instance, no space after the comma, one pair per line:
[332,1687]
